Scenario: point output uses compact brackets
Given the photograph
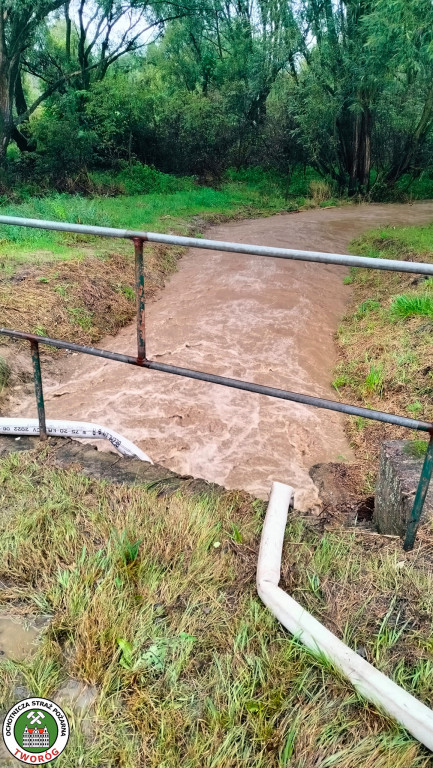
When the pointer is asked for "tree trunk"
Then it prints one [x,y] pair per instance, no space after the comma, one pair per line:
[6,119]
[23,143]
[356,151]
[20,99]
[20,137]
[68,24]
[361,167]
[364,164]
[407,159]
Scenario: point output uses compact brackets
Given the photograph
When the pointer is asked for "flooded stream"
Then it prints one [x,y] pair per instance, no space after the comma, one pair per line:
[263,320]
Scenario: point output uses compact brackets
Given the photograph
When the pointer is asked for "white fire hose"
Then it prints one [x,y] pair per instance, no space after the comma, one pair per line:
[372,684]
[18,427]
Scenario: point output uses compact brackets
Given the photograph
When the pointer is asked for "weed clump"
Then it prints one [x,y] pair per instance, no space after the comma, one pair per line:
[320,191]
[374,381]
[367,306]
[408,306]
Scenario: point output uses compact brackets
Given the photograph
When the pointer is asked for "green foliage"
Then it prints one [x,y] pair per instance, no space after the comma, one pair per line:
[128,549]
[374,381]
[408,306]
[416,448]
[415,408]
[262,179]
[137,179]
[236,534]
[81,317]
[367,306]
[128,292]
[342,380]
[125,659]
[349,113]
[326,100]
[65,145]
[154,212]
[57,207]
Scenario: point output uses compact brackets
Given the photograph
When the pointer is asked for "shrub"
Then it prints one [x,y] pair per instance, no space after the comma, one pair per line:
[320,191]
[138,179]
[65,144]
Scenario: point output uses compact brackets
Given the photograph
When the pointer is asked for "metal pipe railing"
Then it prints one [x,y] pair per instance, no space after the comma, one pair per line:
[345,260]
[212,378]
[39,393]
[141,360]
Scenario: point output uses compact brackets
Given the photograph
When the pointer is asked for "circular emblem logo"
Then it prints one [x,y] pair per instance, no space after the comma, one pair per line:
[36,731]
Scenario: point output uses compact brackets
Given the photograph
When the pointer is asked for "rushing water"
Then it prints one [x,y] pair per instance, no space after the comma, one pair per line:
[264,320]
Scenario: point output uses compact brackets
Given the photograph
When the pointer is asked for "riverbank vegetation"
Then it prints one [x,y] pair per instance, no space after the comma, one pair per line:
[93,94]
[385,340]
[152,604]
[82,288]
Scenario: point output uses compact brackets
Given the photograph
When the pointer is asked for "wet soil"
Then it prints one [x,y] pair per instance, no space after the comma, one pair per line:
[264,320]
[19,635]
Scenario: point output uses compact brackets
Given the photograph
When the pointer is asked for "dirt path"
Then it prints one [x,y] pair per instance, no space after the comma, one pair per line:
[263,320]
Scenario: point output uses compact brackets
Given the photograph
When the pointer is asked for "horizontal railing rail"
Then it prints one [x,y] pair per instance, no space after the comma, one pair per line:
[212,378]
[144,362]
[345,260]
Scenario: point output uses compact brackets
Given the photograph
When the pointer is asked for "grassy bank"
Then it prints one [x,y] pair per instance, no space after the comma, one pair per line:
[385,340]
[81,287]
[153,601]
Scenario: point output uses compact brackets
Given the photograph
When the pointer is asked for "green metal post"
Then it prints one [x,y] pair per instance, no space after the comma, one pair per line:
[38,389]
[139,289]
[421,493]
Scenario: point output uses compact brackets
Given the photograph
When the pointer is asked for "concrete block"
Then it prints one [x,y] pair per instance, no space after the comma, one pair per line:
[397,482]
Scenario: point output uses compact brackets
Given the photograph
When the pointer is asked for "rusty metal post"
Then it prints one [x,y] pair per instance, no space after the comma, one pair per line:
[140,298]
[421,493]
[38,389]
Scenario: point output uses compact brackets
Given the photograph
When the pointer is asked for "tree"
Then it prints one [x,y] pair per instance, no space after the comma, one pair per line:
[336,88]
[230,54]
[85,41]
[101,32]
[19,20]
[400,37]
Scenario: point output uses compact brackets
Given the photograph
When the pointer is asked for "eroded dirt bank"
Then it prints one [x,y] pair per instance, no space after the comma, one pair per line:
[264,320]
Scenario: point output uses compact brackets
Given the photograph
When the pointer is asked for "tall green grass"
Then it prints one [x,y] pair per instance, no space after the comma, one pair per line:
[408,306]
[157,211]
[139,179]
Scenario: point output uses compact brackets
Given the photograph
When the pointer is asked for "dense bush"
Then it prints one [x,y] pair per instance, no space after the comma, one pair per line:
[65,143]
[136,179]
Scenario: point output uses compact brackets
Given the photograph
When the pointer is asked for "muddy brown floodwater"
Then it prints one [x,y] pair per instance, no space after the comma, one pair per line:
[264,320]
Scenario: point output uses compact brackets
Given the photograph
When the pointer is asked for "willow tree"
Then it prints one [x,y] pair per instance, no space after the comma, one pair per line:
[226,56]
[335,90]
[98,34]
[19,20]
[400,44]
